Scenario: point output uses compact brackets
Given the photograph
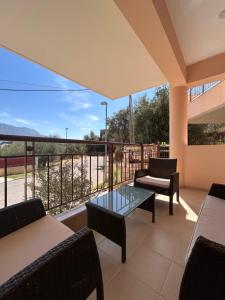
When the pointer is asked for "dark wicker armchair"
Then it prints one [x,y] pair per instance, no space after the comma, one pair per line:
[70,270]
[161,177]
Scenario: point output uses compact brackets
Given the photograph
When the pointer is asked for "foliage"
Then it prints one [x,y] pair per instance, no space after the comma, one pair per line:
[93,148]
[151,119]
[16,148]
[206,134]
[118,126]
[57,178]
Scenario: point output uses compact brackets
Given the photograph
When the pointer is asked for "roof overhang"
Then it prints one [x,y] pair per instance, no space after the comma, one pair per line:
[119,47]
[89,42]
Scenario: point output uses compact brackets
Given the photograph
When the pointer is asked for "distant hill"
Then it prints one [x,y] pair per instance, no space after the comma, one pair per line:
[14,130]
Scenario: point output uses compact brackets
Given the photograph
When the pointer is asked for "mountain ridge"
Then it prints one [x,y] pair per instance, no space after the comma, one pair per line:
[17,130]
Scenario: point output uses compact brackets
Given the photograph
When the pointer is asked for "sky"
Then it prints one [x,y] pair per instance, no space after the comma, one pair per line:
[51,112]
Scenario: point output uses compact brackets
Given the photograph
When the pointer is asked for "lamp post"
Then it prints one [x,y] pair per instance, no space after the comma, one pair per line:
[66,137]
[66,132]
[104,103]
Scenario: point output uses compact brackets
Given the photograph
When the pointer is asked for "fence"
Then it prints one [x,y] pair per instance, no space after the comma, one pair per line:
[65,180]
[197,91]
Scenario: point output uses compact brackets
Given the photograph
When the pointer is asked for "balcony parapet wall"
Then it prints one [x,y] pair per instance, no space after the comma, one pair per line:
[208,107]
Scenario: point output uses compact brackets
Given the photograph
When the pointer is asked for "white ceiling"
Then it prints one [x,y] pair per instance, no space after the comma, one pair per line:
[89,42]
[200,32]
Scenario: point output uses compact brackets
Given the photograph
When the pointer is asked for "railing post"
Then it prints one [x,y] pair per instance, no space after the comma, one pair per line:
[158,150]
[142,156]
[110,187]
[33,169]
[5,181]
[25,171]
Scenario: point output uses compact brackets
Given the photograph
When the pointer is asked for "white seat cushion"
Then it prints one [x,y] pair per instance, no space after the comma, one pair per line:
[21,247]
[211,222]
[160,182]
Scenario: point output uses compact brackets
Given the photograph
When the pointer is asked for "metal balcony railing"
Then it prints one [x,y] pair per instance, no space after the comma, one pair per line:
[199,90]
[65,180]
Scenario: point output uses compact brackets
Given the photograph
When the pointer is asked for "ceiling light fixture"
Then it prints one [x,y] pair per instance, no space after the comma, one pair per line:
[222,14]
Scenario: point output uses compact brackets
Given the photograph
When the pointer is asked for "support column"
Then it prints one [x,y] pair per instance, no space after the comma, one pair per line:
[178,134]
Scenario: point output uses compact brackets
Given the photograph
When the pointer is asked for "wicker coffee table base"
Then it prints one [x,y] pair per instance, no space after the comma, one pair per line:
[112,225]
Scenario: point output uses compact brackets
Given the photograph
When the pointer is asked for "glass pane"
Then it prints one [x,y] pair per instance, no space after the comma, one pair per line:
[123,200]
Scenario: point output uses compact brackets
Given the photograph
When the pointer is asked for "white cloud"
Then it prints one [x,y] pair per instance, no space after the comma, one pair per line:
[69,118]
[4,114]
[93,117]
[75,100]
[86,124]
[25,122]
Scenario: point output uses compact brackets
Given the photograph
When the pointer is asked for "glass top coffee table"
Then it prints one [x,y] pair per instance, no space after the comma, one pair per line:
[106,213]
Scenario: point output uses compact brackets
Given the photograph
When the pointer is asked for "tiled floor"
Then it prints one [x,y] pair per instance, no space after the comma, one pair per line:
[155,252]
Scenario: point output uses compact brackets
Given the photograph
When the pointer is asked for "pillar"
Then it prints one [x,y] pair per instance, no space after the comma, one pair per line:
[178,103]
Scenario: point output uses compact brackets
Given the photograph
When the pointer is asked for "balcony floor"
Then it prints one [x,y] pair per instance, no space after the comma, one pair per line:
[155,252]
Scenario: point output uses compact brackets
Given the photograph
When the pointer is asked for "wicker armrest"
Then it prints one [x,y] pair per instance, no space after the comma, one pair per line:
[217,190]
[174,181]
[140,173]
[19,215]
[70,270]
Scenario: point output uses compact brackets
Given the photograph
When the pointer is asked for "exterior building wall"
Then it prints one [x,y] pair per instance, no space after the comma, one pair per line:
[204,165]
[178,127]
[208,102]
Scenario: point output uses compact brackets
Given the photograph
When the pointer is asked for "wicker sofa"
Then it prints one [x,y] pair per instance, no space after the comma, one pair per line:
[40,258]
[204,275]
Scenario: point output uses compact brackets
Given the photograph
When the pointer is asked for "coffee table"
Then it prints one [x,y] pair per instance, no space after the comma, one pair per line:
[106,213]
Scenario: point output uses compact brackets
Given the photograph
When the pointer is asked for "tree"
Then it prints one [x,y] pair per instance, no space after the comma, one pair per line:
[118,126]
[93,148]
[15,148]
[52,190]
[151,119]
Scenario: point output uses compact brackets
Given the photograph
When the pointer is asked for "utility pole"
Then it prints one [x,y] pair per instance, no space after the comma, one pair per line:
[131,120]
[104,103]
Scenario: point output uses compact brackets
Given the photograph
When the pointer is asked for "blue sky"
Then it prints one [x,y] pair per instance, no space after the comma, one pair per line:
[51,112]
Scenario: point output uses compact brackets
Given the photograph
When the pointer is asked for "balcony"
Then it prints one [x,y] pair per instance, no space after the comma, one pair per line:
[117,48]
[155,252]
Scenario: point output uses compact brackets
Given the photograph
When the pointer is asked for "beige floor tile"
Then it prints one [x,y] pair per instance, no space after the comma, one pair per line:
[114,250]
[98,237]
[92,296]
[126,286]
[162,242]
[171,286]
[146,216]
[137,228]
[180,252]
[149,266]
[110,267]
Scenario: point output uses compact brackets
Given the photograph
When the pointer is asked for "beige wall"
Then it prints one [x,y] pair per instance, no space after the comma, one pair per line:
[207,103]
[178,126]
[204,165]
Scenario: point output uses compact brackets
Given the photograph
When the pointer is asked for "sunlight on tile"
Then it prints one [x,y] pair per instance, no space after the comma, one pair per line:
[191,215]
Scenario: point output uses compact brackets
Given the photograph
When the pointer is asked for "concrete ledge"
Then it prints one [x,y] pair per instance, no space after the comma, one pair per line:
[75,218]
